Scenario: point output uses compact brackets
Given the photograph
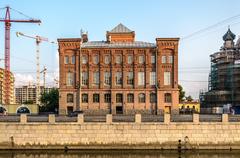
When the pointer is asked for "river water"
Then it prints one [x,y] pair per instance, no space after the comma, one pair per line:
[119,154]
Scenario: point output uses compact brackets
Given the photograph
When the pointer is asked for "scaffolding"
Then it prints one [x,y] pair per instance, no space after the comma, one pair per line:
[224,80]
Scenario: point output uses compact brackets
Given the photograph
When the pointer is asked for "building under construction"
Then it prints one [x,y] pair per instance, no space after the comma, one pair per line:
[28,94]
[224,79]
[3,92]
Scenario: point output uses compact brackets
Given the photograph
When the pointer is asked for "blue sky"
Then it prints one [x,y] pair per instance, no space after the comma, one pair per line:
[148,18]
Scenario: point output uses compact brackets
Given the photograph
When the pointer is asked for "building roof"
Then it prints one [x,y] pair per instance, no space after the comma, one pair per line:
[104,44]
[120,28]
[229,36]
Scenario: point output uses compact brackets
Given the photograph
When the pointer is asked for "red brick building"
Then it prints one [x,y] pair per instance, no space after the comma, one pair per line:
[119,75]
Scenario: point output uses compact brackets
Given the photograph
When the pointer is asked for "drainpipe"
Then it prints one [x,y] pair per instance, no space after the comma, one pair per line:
[80,80]
[156,79]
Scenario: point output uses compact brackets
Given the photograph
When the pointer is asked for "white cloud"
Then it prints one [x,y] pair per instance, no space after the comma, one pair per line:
[23,79]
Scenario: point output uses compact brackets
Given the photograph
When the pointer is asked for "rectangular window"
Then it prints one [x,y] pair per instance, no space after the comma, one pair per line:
[119,98]
[153,59]
[141,59]
[152,78]
[107,59]
[167,78]
[141,78]
[107,98]
[84,98]
[130,59]
[130,98]
[84,78]
[164,59]
[96,78]
[70,79]
[66,60]
[84,59]
[118,59]
[107,78]
[130,78]
[96,59]
[118,78]
[73,59]
[96,98]
[170,59]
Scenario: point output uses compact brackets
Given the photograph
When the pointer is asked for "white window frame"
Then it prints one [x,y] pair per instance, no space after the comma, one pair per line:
[141,59]
[152,78]
[70,79]
[73,59]
[130,59]
[84,78]
[153,59]
[167,78]
[107,78]
[96,59]
[130,78]
[170,59]
[96,77]
[107,59]
[118,77]
[164,59]
[84,59]
[141,78]
[118,59]
[66,59]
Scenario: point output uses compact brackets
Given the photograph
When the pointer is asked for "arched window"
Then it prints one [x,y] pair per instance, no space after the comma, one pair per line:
[141,98]
[2,110]
[23,110]
[168,98]
[69,98]
[130,98]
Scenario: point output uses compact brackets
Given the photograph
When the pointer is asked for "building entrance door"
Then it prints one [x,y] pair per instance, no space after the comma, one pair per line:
[69,110]
[119,109]
[119,103]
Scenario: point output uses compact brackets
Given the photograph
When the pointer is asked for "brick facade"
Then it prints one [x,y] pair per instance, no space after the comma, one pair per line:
[121,43]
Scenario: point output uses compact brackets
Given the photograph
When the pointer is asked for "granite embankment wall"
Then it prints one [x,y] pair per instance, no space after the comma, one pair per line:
[111,135]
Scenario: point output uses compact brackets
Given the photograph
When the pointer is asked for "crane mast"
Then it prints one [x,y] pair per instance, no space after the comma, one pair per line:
[38,40]
[7,20]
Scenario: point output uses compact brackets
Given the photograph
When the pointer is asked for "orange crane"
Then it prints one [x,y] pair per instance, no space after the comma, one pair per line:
[7,20]
[38,39]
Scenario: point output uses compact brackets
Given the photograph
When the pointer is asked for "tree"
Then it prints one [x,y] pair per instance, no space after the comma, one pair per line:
[49,101]
[189,98]
[181,93]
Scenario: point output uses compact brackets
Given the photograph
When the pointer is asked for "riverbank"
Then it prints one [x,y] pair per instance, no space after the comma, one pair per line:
[108,135]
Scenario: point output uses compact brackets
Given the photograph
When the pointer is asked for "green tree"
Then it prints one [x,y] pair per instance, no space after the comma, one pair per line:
[181,93]
[189,98]
[49,101]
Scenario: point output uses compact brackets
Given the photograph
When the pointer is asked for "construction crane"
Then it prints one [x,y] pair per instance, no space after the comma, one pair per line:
[38,39]
[44,77]
[7,20]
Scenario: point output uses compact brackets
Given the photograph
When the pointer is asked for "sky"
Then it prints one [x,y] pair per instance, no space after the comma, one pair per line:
[148,18]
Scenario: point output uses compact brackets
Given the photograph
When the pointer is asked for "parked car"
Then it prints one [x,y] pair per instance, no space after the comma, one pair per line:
[75,113]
